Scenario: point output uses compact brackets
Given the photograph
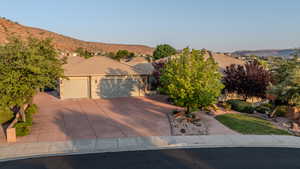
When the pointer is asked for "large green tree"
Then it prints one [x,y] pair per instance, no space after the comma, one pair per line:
[286,88]
[26,67]
[162,51]
[191,80]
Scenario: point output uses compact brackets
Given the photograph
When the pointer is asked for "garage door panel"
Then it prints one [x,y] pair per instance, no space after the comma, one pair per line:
[75,88]
[110,88]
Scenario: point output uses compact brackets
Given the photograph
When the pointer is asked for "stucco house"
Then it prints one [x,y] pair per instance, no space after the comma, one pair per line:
[101,77]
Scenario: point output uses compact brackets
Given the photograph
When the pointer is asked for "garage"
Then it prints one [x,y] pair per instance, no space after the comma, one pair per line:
[101,77]
[75,87]
[118,86]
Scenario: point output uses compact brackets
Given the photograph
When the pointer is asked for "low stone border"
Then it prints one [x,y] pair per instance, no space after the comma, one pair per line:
[33,150]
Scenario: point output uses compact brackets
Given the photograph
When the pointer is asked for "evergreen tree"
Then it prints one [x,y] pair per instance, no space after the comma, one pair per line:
[286,88]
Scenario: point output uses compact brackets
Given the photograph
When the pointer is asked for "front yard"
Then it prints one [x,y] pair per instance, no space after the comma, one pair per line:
[246,124]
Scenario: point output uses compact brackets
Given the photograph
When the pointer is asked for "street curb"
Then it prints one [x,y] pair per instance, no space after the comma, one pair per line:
[75,147]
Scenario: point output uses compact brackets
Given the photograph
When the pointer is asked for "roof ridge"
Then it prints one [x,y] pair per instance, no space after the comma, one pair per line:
[135,68]
[119,62]
[104,64]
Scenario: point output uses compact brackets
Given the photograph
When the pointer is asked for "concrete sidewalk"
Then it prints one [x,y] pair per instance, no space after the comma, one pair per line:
[27,150]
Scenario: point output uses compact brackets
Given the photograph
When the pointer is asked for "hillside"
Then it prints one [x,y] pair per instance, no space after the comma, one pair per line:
[64,43]
[264,53]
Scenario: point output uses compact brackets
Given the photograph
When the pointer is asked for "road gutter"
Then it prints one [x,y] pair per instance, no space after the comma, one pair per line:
[10,152]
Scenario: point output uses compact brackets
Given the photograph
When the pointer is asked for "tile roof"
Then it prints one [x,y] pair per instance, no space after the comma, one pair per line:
[98,65]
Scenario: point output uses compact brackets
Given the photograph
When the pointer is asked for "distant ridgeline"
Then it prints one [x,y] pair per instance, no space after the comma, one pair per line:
[286,53]
[63,43]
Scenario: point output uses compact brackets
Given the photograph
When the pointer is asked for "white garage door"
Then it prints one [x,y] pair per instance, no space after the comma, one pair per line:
[75,88]
[110,88]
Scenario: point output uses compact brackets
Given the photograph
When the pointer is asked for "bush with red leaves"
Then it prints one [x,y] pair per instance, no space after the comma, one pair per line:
[250,80]
[158,68]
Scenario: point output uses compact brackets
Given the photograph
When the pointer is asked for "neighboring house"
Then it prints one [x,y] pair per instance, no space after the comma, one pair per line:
[101,77]
[222,59]
[141,63]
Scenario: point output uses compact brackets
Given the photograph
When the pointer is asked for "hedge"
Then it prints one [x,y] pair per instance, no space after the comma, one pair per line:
[281,111]
[263,109]
[241,106]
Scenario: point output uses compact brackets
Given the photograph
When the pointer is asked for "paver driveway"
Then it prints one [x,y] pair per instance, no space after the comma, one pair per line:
[60,120]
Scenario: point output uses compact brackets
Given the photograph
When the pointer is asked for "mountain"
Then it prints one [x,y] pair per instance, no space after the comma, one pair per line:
[64,43]
[269,52]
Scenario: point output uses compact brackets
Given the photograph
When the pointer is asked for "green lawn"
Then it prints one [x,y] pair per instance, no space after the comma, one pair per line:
[246,124]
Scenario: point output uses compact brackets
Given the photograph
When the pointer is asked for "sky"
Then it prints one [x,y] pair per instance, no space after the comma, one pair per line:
[219,25]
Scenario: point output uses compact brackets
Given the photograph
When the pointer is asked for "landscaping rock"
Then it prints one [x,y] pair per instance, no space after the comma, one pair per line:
[185,126]
[280,122]
[295,127]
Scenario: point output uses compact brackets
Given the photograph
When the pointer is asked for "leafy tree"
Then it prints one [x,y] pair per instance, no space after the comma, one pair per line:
[250,80]
[191,81]
[123,54]
[83,53]
[110,55]
[162,51]
[286,88]
[26,67]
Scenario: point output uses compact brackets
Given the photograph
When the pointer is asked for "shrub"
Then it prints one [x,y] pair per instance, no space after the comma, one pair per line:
[33,109]
[28,118]
[234,103]
[281,111]
[22,129]
[248,109]
[250,80]
[269,105]
[263,109]
[226,106]
[214,107]
[241,106]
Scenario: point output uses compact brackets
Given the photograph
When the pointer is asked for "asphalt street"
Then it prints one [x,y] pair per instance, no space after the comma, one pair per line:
[206,158]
